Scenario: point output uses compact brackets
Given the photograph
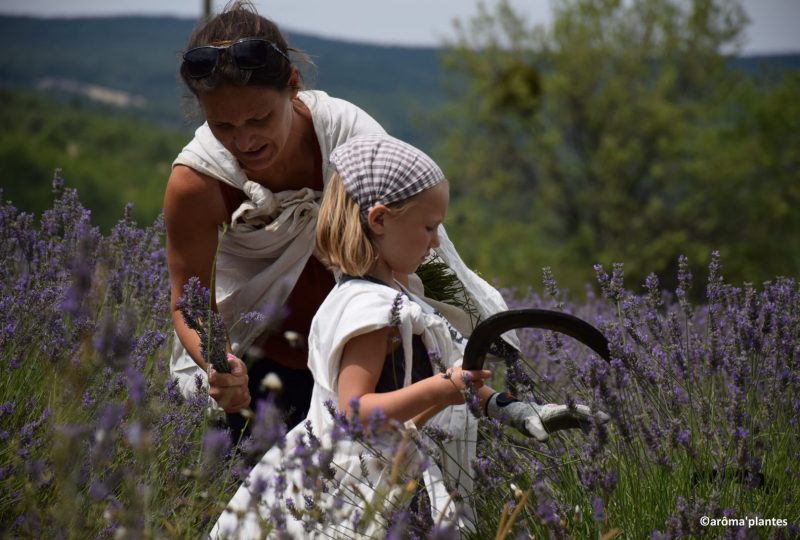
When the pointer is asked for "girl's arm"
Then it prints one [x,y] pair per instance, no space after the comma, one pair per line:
[484,393]
[360,369]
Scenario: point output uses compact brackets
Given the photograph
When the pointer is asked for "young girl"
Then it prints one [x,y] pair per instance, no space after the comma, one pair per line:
[378,350]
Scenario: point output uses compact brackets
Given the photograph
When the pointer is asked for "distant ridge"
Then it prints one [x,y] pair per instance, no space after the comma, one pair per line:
[138,56]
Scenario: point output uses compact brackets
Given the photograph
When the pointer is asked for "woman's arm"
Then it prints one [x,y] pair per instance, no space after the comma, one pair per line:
[193,211]
[360,369]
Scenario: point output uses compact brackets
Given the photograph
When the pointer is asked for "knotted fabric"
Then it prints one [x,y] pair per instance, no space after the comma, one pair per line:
[379,169]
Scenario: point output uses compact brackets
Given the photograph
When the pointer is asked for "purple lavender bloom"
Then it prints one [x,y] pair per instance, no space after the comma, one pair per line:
[73,303]
[547,511]
[111,415]
[268,430]
[684,438]
[394,315]
[195,306]
[611,286]
[216,449]
[376,421]
[598,510]
[114,339]
[137,386]
[292,508]
[684,285]
[355,519]
[58,182]
[265,316]
[486,471]
[98,491]
[7,408]
[398,525]
[473,402]
[551,287]
[436,433]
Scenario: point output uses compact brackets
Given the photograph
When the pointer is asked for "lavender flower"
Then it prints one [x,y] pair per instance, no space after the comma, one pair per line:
[216,449]
[195,306]
[598,509]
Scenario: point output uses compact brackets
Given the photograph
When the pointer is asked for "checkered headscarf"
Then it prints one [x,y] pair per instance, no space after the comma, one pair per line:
[379,169]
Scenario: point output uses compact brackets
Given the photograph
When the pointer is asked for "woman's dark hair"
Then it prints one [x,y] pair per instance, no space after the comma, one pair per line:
[239,20]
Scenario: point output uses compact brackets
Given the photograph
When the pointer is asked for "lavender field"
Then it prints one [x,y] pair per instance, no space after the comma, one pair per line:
[98,443]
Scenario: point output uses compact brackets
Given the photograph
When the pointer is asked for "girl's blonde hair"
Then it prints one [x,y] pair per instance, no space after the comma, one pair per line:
[343,241]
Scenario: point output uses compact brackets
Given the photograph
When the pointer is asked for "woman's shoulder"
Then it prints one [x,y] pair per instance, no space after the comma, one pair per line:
[190,191]
[186,182]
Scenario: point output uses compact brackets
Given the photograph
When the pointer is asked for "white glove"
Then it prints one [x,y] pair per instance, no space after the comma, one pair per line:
[534,420]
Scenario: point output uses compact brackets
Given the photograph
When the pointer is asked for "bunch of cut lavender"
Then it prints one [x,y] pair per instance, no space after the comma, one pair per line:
[195,306]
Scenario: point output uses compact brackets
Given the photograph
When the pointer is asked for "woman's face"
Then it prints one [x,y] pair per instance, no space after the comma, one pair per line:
[251,122]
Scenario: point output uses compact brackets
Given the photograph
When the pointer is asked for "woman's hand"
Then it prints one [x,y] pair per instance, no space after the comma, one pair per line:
[230,390]
[462,379]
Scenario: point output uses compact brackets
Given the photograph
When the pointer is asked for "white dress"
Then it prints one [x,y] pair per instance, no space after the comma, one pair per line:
[363,476]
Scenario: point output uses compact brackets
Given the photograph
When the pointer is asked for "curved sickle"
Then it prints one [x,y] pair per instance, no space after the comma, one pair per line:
[490,329]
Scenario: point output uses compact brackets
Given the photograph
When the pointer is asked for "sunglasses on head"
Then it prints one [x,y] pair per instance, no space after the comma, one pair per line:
[247,53]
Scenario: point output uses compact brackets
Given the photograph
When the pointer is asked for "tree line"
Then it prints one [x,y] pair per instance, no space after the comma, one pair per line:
[624,131]
[620,133]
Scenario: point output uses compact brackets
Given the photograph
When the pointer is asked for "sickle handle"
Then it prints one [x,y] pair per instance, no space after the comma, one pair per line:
[488,330]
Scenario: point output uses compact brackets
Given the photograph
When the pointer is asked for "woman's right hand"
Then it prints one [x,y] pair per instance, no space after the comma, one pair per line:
[230,390]
[460,379]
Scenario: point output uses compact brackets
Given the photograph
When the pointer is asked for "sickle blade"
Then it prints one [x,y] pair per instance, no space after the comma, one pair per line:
[488,330]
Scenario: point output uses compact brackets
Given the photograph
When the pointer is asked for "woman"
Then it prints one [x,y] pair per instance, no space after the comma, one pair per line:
[241,205]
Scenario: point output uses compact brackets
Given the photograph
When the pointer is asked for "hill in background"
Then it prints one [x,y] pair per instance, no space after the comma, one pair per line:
[112,111]
[132,63]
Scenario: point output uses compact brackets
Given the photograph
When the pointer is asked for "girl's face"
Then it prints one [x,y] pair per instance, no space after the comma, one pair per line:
[404,239]
[251,122]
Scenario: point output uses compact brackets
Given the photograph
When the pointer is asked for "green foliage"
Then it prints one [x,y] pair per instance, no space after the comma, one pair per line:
[619,133]
[113,160]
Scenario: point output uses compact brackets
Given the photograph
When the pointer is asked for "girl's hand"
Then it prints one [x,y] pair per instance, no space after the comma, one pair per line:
[230,390]
[461,379]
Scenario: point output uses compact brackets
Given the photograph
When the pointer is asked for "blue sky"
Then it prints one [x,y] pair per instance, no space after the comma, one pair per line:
[774,26]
